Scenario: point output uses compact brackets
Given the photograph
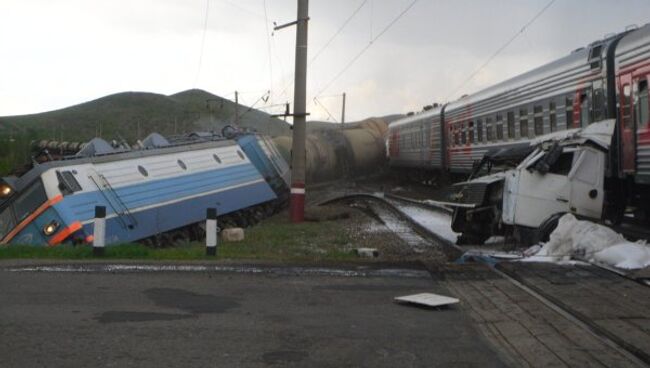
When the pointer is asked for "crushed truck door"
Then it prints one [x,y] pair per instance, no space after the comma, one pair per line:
[586,178]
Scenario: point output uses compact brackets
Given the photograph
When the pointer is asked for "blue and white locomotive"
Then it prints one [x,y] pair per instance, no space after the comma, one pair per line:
[162,187]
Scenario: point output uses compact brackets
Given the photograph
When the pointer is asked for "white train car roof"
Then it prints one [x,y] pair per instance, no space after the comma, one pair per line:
[416,117]
[634,46]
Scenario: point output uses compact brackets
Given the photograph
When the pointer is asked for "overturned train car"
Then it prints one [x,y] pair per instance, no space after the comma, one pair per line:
[161,187]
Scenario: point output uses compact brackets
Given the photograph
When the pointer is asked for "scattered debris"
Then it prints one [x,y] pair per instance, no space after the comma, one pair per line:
[233,234]
[586,240]
[427,299]
[367,252]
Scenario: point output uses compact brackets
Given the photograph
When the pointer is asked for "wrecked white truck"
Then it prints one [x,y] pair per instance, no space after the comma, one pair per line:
[563,173]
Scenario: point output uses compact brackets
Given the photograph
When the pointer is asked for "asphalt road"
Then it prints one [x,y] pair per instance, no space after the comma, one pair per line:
[226,319]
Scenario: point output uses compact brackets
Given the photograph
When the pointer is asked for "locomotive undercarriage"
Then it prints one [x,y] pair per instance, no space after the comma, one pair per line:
[196,232]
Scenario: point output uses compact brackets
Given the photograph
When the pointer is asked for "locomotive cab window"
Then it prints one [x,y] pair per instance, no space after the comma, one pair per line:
[641,103]
[7,221]
[32,198]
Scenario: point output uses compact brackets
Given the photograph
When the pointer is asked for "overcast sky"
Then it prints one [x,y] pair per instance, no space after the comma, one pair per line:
[56,53]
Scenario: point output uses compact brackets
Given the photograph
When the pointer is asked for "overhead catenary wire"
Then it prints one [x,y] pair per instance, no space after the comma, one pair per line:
[205,29]
[329,41]
[268,46]
[494,55]
[363,50]
[318,103]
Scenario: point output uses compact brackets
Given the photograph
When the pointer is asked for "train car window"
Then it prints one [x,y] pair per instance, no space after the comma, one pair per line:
[595,57]
[538,119]
[599,104]
[452,132]
[511,124]
[470,132]
[642,104]
[463,134]
[479,130]
[456,137]
[67,182]
[523,123]
[489,133]
[499,127]
[29,200]
[585,115]
[626,118]
[552,117]
[569,112]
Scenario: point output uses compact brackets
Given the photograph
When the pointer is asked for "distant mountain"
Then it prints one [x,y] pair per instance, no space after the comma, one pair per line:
[134,115]
[130,115]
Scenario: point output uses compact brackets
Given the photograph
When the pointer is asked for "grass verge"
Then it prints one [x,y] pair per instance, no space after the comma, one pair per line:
[275,239]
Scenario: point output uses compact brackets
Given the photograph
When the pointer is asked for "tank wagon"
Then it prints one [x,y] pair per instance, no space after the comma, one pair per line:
[335,152]
[606,80]
[160,187]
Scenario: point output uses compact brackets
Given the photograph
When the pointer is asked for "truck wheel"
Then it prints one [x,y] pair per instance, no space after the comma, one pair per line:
[546,228]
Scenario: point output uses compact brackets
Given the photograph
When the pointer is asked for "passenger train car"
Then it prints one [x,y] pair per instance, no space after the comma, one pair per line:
[606,80]
[162,186]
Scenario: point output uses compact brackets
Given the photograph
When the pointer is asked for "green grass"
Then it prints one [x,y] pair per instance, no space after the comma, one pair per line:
[276,239]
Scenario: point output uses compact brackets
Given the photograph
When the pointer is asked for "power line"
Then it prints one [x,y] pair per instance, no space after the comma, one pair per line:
[317,102]
[268,45]
[326,45]
[205,28]
[521,31]
[372,41]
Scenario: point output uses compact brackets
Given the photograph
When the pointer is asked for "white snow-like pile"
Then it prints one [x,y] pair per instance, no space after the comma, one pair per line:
[592,242]
[437,223]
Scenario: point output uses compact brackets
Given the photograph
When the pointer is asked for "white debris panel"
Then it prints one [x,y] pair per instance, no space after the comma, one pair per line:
[586,240]
[427,299]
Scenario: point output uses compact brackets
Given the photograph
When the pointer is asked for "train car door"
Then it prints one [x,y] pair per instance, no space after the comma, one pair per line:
[642,120]
[627,128]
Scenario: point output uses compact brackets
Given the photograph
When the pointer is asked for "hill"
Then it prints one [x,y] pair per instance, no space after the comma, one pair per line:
[130,115]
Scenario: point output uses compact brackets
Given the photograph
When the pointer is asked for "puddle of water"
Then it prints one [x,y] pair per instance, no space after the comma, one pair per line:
[190,302]
[125,316]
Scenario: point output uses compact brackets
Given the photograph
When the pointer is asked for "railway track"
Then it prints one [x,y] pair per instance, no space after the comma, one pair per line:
[401,208]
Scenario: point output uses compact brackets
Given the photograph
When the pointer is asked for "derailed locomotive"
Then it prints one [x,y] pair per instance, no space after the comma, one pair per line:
[606,80]
[161,188]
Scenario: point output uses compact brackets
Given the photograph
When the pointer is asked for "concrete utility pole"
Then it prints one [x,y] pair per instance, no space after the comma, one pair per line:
[236,109]
[299,155]
[343,111]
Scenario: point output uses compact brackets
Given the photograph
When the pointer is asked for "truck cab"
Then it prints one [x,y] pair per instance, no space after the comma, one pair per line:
[565,173]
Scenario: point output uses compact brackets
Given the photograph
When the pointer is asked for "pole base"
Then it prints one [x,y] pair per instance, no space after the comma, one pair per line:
[98,251]
[297,207]
[211,251]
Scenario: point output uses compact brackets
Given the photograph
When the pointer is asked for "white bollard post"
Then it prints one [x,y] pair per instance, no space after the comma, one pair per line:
[211,232]
[99,231]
